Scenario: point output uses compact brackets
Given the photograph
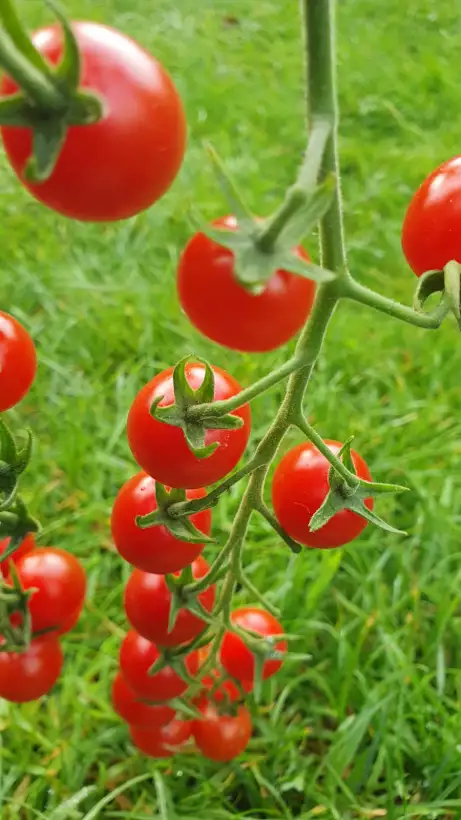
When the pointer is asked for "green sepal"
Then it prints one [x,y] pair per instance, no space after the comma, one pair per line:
[185,707]
[16,523]
[181,528]
[12,25]
[229,190]
[447,282]
[69,69]
[13,461]
[175,607]
[48,139]
[186,397]
[315,206]
[175,662]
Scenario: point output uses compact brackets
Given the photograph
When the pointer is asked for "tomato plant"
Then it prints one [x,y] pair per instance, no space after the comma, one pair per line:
[26,546]
[132,709]
[59,581]
[161,449]
[164,741]
[18,361]
[28,675]
[222,737]
[430,234]
[299,488]
[228,313]
[154,549]
[119,166]
[148,603]
[137,656]
[237,658]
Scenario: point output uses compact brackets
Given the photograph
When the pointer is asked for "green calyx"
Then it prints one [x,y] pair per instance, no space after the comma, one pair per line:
[13,461]
[352,495]
[14,600]
[261,247]
[186,397]
[447,282]
[15,523]
[180,527]
[49,100]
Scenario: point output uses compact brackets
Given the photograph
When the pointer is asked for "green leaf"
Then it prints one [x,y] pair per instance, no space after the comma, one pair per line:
[229,190]
[48,140]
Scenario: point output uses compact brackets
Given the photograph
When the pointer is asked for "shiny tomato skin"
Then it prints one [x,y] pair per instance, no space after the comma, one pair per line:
[137,655]
[121,165]
[147,606]
[221,737]
[153,549]
[26,546]
[135,711]
[164,741]
[299,488]
[236,657]
[430,233]
[60,585]
[161,449]
[26,676]
[18,362]
[224,311]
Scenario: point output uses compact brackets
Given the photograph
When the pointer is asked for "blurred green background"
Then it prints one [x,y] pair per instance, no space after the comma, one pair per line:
[370,726]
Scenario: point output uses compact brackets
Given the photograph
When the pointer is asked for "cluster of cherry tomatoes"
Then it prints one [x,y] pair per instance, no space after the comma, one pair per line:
[55,578]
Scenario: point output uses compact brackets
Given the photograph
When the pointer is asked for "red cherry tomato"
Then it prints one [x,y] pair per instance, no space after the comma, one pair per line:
[60,583]
[162,742]
[236,657]
[137,655]
[18,362]
[135,711]
[121,165]
[68,623]
[219,688]
[148,602]
[222,737]
[224,311]
[299,488]
[26,546]
[153,549]
[430,235]
[28,675]
[161,449]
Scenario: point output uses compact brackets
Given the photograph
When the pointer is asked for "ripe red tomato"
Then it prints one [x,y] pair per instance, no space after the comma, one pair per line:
[137,655]
[161,449]
[164,741]
[222,737]
[18,362]
[60,583]
[27,546]
[135,711]
[153,549]
[219,688]
[299,488]
[226,312]
[236,658]
[430,234]
[28,675]
[121,165]
[148,602]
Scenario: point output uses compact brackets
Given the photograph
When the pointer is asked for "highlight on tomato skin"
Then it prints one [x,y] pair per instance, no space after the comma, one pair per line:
[18,362]
[299,488]
[153,549]
[121,165]
[227,313]
[430,234]
[161,449]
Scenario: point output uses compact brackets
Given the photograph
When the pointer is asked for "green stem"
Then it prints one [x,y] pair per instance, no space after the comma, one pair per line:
[359,293]
[271,519]
[35,85]
[303,425]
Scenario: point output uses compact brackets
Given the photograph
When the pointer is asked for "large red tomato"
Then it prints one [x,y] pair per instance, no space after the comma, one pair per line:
[431,235]
[18,361]
[222,309]
[222,737]
[164,741]
[28,675]
[134,710]
[299,488]
[59,582]
[121,165]
[137,656]
[153,549]
[161,449]
[236,657]
[148,602]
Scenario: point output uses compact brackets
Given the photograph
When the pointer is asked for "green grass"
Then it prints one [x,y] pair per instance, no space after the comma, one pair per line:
[371,726]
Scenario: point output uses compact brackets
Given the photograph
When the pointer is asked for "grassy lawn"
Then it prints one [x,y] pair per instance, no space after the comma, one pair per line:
[370,726]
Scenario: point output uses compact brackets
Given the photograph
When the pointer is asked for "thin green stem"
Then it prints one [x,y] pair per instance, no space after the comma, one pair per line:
[359,293]
[263,509]
[35,85]
[303,425]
